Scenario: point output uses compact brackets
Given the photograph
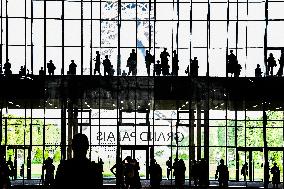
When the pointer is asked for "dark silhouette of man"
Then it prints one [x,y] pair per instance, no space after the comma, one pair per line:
[41,71]
[49,172]
[132,63]
[7,68]
[50,67]
[157,68]
[4,171]
[222,171]
[72,68]
[169,167]
[119,173]
[77,172]
[271,63]
[97,63]
[194,67]
[11,167]
[275,171]
[281,65]
[149,59]
[175,61]
[244,170]
[257,71]
[155,174]
[107,66]
[165,62]
[232,65]
[22,71]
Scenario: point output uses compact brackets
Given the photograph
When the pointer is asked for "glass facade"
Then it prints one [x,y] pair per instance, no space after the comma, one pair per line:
[142,117]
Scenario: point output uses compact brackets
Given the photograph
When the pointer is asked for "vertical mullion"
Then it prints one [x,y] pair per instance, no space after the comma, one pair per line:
[82,38]
[7,32]
[62,36]
[91,40]
[190,31]
[208,37]
[1,36]
[118,36]
[31,35]
[44,36]
[227,36]
[25,35]
[246,39]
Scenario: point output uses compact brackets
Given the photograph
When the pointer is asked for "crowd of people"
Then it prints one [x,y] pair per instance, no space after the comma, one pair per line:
[160,66]
[80,172]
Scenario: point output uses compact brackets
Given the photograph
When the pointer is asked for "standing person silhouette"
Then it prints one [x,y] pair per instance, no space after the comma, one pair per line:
[275,171]
[223,172]
[169,167]
[76,172]
[244,170]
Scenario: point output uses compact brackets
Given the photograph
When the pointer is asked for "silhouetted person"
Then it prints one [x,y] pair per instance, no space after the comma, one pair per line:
[148,60]
[181,174]
[7,68]
[155,174]
[275,171]
[175,172]
[136,183]
[244,170]
[129,172]
[195,172]
[49,172]
[4,173]
[158,68]
[119,173]
[50,67]
[222,174]
[175,61]
[169,167]
[270,64]
[11,167]
[165,62]
[72,68]
[77,172]
[232,65]
[107,66]
[22,71]
[132,63]
[97,63]
[281,64]
[258,72]
[41,71]
[100,171]
[194,67]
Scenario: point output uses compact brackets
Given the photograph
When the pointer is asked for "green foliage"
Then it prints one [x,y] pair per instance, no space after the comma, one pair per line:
[18,133]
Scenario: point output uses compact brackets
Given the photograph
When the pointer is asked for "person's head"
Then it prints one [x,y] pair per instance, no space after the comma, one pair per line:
[97,52]
[165,49]
[72,61]
[80,145]
[106,56]
[41,68]
[50,61]
[222,162]
[195,58]
[133,50]
[147,51]
[270,54]
[231,51]
[258,65]
[275,164]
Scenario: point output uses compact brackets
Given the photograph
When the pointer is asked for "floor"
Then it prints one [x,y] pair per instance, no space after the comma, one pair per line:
[146,184]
